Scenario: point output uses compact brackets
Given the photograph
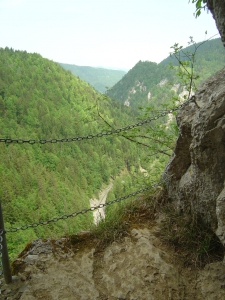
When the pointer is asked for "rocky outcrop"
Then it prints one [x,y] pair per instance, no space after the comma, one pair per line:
[99,214]
[217,8]
[195,175]
[135,268]
[163,82]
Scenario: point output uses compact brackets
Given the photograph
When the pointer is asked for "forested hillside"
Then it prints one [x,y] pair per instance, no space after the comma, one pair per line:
[209,58]
[99,78]
[40,100]
[151,84]
[141,85]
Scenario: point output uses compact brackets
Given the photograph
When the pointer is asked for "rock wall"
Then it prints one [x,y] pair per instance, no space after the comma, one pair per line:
[195,175]
[217,8]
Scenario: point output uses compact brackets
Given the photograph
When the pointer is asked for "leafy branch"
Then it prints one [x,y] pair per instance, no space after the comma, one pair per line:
[199,5]
[128,137]
[186,63]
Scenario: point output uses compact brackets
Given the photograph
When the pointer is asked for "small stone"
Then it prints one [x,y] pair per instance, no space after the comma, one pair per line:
[30,258]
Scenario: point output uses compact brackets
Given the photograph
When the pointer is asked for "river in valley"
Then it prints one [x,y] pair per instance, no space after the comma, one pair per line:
[100,213]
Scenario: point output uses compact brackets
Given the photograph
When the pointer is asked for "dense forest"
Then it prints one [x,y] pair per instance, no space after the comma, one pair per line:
[151,84]
[140,85]
[40,100]
[209,58]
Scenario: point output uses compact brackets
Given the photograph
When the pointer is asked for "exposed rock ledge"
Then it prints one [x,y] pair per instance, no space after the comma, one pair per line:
[196,174]
[136,268]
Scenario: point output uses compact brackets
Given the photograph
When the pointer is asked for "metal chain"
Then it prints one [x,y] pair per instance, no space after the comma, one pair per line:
[91,136]
[83,211]
[1,267]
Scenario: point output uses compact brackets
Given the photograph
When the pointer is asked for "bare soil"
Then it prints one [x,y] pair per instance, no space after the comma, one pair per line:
[138,267]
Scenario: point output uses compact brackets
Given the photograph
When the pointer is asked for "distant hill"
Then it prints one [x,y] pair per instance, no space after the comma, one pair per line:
[210,57]
[148,83]
[141,84]
[99,78]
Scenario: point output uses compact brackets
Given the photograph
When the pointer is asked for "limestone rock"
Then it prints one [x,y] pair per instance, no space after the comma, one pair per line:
[135,268]
[196,173]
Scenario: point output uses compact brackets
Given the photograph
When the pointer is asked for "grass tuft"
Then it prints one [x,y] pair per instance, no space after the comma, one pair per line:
[122,217]
[194,243]
[190,237]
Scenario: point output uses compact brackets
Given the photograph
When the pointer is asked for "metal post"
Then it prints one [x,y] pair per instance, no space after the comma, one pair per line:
[4,250]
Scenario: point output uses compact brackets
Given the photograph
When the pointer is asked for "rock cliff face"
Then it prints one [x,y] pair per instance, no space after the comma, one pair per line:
[196,173]
[217,8]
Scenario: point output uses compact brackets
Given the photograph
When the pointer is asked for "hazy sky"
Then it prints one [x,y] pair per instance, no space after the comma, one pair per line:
[108,33]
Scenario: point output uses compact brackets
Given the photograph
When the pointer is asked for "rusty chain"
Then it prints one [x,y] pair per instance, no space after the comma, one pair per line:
[101,134]
[83,211]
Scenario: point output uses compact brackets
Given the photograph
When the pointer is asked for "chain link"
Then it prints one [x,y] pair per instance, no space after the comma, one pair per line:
[91,136]
[83,211]
[1,267]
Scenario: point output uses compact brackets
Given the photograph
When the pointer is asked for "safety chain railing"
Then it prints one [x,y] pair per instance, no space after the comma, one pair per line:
[4,259]
[100,134]
[83,211]
[1,267]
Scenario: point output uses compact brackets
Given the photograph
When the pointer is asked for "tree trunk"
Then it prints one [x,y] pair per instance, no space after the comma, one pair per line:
[217,8]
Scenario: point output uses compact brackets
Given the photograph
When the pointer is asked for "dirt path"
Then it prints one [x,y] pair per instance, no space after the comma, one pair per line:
[100,213]
[137,268]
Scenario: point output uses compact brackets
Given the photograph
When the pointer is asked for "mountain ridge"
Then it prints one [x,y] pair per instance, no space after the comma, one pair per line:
[100,78]
[143,84]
